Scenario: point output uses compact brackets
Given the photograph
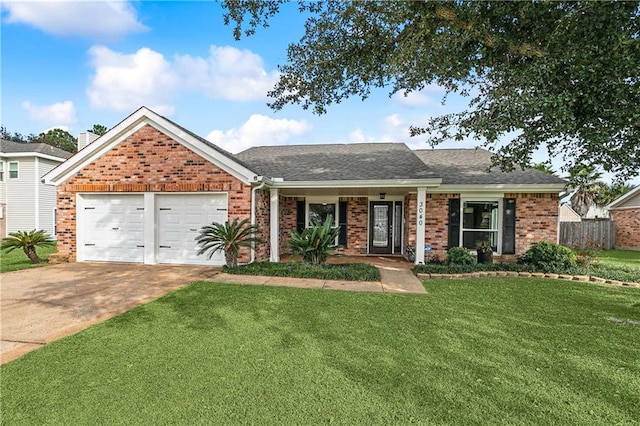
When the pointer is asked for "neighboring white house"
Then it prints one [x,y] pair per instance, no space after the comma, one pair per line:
[25,202]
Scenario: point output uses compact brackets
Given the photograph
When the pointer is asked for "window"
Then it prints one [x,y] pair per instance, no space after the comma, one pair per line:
[13,170]
[319,212]
[1,171]
[480,224]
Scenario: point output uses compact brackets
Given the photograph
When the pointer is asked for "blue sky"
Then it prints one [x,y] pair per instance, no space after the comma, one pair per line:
[72,64]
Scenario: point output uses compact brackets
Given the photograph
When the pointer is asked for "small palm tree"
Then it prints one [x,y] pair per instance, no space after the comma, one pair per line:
[227,237]
[27,241]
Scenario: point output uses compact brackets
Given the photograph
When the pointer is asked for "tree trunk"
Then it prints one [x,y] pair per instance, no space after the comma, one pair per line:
[231,258]
[30,251]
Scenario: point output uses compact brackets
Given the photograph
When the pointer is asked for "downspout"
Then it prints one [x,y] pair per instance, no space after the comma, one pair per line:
[253,213]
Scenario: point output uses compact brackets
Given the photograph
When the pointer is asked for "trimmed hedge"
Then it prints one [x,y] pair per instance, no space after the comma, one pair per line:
[346,272]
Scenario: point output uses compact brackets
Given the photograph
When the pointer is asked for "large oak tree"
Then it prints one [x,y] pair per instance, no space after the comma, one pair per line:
[561,76]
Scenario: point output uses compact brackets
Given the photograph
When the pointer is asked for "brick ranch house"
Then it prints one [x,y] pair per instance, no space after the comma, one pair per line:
[141,192]
[625,213]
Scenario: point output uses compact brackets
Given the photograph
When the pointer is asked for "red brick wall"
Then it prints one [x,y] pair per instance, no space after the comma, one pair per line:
[263,215]
[147,161]
[287,217]
[536,220]
[357,225]
[410,218]
[627,228]
[437,222]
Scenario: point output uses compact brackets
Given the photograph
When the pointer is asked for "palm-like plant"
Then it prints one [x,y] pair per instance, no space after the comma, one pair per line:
[27,241]
[584,181]
[315,243]
[228,238]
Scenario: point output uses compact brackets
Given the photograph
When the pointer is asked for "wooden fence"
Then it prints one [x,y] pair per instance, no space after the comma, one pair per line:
[578,234]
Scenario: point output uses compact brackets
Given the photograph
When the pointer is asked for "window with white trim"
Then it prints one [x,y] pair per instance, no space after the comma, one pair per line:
[318,212]
[13,170]
[481,224]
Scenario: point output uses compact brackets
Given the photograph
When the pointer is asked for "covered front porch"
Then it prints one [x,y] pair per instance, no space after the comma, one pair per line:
[375,219]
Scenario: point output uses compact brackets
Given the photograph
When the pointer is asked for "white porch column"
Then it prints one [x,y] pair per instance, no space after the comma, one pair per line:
[420,218]
[274,225]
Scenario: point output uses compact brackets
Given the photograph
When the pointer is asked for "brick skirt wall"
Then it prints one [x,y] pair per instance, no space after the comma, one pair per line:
[627,228]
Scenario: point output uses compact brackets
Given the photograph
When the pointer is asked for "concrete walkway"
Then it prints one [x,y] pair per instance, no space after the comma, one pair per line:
[40,305]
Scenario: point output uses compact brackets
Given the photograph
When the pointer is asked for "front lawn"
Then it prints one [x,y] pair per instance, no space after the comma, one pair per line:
[17,260]
[490,351]
[620,258]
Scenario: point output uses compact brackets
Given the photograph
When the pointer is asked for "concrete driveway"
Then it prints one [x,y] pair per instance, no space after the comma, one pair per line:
[40,305]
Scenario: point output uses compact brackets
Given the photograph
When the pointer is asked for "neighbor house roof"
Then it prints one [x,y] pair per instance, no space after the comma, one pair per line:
[10,147]
[619,202]
[333,162]
[470,166]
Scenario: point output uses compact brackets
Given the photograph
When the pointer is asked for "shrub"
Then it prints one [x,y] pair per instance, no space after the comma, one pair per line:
[547,257]
[459,256]
[587,251]
[348,271]
[315,243]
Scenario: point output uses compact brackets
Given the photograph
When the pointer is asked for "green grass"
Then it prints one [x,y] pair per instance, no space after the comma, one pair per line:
[17,260]
[620,258]
[347,271]
[486,351]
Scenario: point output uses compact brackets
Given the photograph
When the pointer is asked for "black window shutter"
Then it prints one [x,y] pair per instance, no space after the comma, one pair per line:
[509,227]
[300,216]
[454,222]
[342,221]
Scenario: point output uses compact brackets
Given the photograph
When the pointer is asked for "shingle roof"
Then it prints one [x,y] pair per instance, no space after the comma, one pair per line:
[41,148]
[364,161]
[469,166]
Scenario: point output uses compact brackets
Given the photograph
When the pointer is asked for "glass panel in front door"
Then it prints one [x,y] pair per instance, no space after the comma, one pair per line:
[380,226]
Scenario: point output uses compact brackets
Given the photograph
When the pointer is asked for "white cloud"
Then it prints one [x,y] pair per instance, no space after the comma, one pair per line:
[93,19]
[431,96]
[126,82]
[62,113]
[358,136]
[227,73]
[259,130]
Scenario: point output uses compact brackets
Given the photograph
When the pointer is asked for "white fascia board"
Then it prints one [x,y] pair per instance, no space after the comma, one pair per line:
[552,188]
[129,126]
[395,183]
[33,154]
[623,198]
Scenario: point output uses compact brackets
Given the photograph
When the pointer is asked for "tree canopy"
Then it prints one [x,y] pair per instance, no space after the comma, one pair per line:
[98,129]
[58,138]
[558,76]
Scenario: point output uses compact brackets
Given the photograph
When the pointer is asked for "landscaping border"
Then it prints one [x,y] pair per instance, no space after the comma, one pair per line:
[566,277]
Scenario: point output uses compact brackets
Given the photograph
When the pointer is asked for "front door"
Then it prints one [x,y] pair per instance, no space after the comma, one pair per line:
[381,227]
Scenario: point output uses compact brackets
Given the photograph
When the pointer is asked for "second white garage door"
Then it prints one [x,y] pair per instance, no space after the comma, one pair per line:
[180,217]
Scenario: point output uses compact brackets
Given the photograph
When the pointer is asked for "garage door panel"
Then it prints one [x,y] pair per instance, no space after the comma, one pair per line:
[113,228]
[180,218]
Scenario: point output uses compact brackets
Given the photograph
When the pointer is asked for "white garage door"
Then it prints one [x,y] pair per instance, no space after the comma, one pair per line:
[112,228]
[180,218]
